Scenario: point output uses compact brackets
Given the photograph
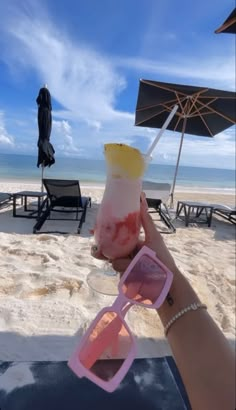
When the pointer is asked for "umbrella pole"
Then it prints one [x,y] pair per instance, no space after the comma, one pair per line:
[165,125]
[42,176]
[177,164]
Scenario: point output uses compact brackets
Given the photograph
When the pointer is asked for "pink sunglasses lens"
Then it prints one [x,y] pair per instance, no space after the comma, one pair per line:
[145,281]
[109,339]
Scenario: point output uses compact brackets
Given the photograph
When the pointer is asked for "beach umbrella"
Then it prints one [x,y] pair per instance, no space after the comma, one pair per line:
[229,25]
[45,149]
[202,111]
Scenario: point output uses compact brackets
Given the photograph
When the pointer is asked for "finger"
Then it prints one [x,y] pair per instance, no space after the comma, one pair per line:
[139,246]
[147,221]
[120,265]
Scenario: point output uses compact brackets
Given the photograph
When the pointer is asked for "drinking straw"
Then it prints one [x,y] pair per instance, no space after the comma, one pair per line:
[165,125]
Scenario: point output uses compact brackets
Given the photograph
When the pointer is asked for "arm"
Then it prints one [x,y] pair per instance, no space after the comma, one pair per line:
[201,351]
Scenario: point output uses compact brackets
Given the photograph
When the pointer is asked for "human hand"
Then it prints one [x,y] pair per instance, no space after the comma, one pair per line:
[153,240]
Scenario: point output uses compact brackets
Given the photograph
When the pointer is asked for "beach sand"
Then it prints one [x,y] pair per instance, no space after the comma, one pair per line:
[46,304]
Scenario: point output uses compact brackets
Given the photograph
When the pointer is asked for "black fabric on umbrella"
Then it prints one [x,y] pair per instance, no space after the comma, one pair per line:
[45,148]
[229,25]
[202,111]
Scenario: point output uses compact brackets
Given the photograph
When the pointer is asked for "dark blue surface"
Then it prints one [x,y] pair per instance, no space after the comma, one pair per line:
[151,384]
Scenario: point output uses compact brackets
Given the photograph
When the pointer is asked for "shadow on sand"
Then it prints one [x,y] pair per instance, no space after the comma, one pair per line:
[24,226]
[223,230]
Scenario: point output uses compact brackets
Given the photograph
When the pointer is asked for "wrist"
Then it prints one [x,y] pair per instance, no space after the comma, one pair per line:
[181,294]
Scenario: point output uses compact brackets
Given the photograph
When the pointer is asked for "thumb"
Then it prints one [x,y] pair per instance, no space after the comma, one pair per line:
[147,221]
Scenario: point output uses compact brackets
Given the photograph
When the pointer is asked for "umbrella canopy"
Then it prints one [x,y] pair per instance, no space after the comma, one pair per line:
[45,148]
[202,111]
[229,25]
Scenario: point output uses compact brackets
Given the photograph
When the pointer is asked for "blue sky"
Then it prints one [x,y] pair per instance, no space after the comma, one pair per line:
[92,54]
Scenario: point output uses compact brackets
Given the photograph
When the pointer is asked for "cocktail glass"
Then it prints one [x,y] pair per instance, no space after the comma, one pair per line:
[118,221]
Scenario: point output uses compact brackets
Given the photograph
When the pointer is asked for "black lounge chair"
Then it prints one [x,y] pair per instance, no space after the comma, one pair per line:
[63,196]
[5,198]
[157,195]
[225,212]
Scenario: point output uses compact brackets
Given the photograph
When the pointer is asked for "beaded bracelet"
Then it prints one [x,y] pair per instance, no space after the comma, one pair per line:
[193,306]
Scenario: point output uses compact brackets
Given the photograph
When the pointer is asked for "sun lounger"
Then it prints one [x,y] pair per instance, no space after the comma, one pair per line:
[5,198]
[194,212]
[226,212]
[63,196]
[157,195]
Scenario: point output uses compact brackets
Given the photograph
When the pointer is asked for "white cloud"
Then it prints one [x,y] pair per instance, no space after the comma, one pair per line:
[218,152]
[63,135]
[88,84]
[5,138]
[79,78]
[218,71]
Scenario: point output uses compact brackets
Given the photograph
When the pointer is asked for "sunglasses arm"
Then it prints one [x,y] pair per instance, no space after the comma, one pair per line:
[122,306]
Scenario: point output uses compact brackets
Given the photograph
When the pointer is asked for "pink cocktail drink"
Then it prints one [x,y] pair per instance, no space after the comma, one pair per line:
[118,221]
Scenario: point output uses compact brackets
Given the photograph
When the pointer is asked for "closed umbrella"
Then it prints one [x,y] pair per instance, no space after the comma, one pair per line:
[202,111]
[45,149]
[229,25]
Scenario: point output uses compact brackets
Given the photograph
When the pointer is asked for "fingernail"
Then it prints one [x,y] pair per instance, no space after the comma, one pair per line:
[144,201]
[94,248]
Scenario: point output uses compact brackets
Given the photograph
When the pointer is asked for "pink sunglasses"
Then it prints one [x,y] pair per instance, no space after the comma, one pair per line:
[145,282]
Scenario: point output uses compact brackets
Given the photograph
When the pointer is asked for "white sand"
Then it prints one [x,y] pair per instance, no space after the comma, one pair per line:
[46,304]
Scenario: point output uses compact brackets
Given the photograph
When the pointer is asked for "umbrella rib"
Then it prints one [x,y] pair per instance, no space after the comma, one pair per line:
[147,107]
[180,100]
[172,103]
[185,110]
[184,114]
[206,105]
[162,87]
[166,108]
[213,111]
[171,90]
[197,109]
[193,102]
[220,96]
[226,25]
[188,105]
[177,123]
[150,117]
[194,98]
[204,122]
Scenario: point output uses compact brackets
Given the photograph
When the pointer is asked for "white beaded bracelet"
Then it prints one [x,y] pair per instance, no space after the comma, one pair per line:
[193,306]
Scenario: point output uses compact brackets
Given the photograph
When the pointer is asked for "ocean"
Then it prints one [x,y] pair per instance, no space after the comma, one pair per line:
[23,168]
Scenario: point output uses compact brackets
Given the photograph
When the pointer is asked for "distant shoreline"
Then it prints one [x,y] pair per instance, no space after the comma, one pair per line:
[21,169]
[12,184]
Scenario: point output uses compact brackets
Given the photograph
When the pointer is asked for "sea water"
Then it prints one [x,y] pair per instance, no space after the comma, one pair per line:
[92,171]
